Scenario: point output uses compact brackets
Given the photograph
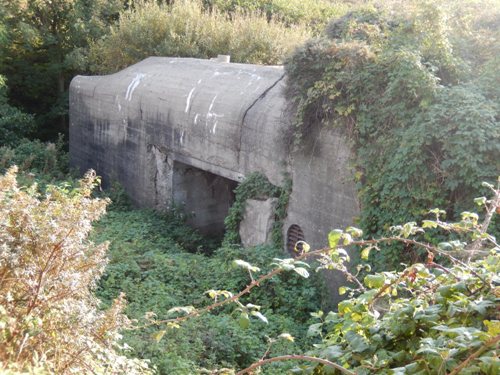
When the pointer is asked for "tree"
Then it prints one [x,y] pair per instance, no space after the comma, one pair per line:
[47,42]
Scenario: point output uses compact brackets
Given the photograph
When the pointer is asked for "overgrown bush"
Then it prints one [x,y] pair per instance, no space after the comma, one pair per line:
[49,319]
[411,85]
[185,29]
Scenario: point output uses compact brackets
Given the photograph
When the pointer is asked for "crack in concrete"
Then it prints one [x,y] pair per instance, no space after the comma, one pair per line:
[260,97]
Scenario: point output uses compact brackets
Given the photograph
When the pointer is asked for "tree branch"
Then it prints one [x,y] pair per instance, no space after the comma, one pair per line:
[295,357]
[474,355]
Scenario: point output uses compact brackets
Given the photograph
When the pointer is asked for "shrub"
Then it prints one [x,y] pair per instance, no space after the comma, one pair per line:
[184,29]
[49,319]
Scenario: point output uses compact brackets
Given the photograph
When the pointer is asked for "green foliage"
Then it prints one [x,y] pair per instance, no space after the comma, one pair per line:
[427,318]
[185,29]
[14,124]
[315,13]
[38,162]
[156,273]
[45,42]
[257,186]
[409,87]
[50,321]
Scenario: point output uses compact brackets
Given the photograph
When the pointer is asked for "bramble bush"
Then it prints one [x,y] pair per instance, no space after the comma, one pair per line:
[436,317]
[50,321]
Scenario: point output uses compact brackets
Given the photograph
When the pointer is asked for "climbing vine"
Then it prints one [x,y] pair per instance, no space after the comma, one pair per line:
[257,186]
[413,89]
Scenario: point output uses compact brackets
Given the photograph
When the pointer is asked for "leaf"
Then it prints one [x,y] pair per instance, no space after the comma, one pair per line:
[342,290]
[347,239]
[305,247]
[493,327]
[159,335]
[334,238]
[259,315]
[344,254]
[302,272]
[354,232]
[374,281]
[357,342]
[244,321]
[481,201]
[183,309]
[286,336]
[314,329]
[242,264]
[365,253]
[429,224]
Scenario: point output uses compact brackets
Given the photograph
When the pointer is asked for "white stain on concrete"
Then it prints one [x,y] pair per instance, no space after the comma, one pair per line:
[212,116]
[211,105]
[182,137]
[188,101]
[196,118]
[133,85]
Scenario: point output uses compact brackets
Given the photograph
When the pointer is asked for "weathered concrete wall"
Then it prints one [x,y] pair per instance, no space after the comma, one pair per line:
[162,126]
[324,195]
[258,220]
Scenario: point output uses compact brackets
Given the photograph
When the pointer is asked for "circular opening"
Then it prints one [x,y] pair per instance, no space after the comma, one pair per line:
[294,235]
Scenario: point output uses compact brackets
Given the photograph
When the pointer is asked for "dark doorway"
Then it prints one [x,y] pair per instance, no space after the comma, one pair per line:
[205,197]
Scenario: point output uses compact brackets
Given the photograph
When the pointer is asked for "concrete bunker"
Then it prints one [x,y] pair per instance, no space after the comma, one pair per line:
[188,130]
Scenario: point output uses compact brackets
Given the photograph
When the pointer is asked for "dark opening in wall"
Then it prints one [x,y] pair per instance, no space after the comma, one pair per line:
[294,235]
[205,197]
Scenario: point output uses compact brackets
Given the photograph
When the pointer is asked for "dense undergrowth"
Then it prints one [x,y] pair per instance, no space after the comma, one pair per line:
[150,264]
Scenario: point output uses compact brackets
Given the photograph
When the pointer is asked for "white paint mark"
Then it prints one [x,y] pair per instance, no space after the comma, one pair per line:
[133,85]
[182,137]
[212,104]
[188,101]
[119,107]
[196,118]
[212,115]
[220,74]
[199,81]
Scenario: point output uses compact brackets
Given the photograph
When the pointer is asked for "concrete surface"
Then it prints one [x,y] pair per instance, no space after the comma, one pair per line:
[257,224]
